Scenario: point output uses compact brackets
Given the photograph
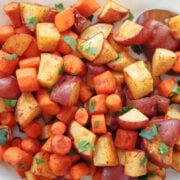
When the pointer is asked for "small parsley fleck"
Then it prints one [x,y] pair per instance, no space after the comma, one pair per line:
[70,41]
[21,166]
[144,159]
[32,21]
[3,137]
[11,56]
[91,88]
[96,124]
[72,153]
[164,149]
[39,161]
[119,56]
[61,69]
[84,145]
[91,107]
[10,102]
[124,110]
[59,7]
[50,88]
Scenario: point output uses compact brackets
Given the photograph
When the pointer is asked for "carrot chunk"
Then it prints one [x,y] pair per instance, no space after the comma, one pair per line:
[58,128]
[31,62]
[82,116]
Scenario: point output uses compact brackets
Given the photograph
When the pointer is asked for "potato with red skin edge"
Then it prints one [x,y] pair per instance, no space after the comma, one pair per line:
[120,92]
[51,15]
[111,122]
[160,36]
[61,144]
[132,120]
[169,130]
[156,14]
[112,173]
[131,33]
[66,90]
[9,88]
[96,69]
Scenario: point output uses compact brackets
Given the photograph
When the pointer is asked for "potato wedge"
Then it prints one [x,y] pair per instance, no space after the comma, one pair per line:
[176,161]
[27,109]
[29,10]
[91,47]
[94,29]
[46,131]
[47,37]
[105,153]
[133,166]
[42,169]
[49,68]
[119,77]
[162,61]
[106,55]
[138,79]
[121,156]
[172,113]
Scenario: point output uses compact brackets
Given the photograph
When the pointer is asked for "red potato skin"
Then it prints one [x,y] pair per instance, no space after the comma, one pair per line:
[9,88]
[51,15]
[119,91]
[96,69]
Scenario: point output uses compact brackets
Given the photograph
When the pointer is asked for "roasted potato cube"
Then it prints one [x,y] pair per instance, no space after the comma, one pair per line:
[162,61]
[119,77]
[29,11]
[138,79]
[105,153]
[174,25]
[47,36]
[106,55]
[134,165]
[27,109]
[49,68]
[176,161]
[46,131]
[42,169]
[121,156]
[172,113]
[30,176]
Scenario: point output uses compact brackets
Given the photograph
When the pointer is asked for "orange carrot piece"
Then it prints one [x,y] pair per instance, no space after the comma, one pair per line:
[90,80]
[97,104]
[32,50]
[46,104]
[33,129]
[12,9]
[97,175]
[27,79]
[30,145]
[86,7]
[23,29]
[7,118]
[66,114]
[126,139]
[104,83]
[98,123]
[60,165]
[64,19]
[58,128]
[61,144]
[7,67]
[31,62]
[79,170]
[85,92]
[63,47]
[82,116]
[16,142]
[92,169]
[113,102]
[74,65]
[166,86]
[47,145]
[5,32]
[17,158]
[176,66]
[2,149]
[75,158]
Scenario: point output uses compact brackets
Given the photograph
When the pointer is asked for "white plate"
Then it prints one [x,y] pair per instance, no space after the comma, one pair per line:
[136,7]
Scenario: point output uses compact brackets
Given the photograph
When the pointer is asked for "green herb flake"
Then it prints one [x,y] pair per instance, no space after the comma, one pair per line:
[11,56]
[39,161]
[72,153]
[89,49]
[96,124]
[80,106]
[144,159]
[124,110]
[136,49]
[149,134]
[83,145]
[146,66]
[90,18]
[61,69]
[91,88]
[21,166]
[10,102]
[119,56]
[32,21]
[164,149]
[92,147]
[146,176]
[50,88]
[75,74]
[131,16]
[59,7]
[70,41]
[3,137]
[91,107]
[176,90]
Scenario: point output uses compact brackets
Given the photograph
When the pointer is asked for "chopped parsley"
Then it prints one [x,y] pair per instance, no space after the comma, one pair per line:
[59,7]
[164,149]
[11,56]
[96,124]
[10,102]
[84,145]
[119,56]
[21,166]
[32,21]
[3,137]
[70,41]
[72,153]
[146,176]
[50,88]
[61,70]
[124,110]
[144,159]
[130,16]
[175,90]
[39,161]
[89,49]
[149,134]
[91,107]
[75,74]
[91,88]
[136,49]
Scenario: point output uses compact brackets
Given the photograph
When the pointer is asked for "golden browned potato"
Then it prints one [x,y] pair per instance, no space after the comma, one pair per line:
[177,144]
[106,55]
[119,77]
[172,113]
[81,136]
[105,153]
[27,109]
[174,25]
[47,36]
[46,131]
[91,47]
[41,169]
[29,11]
[134,165]
[121,156]
[49,69]
[94,29]
[138,79]
[176,161]
[162,61]
[30,176]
